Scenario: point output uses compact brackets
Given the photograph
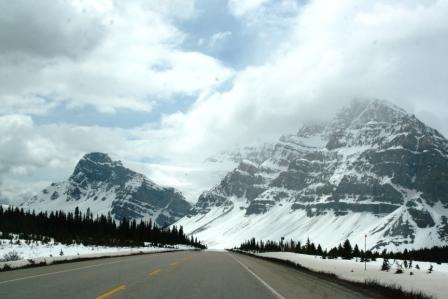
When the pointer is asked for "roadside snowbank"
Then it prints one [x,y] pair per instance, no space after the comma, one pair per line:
[435,284]
[38,253]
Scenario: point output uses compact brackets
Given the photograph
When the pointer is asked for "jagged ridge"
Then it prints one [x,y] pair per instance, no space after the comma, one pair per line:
[105,186]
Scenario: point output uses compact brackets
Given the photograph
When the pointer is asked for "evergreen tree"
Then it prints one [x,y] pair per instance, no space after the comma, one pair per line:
[435,254]
[347,250]
[385,266]
[340,251]
[356,251]
[70,228]
[308,246]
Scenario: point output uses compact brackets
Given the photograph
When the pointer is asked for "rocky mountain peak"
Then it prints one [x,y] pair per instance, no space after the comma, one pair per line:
[96,160]
[374,169]
[99,167]
[360,112]
[375,124]
[99,158]
[105,186]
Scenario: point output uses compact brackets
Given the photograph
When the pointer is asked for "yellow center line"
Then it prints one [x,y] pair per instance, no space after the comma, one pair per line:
[111,292]
[155,272]
[174,264]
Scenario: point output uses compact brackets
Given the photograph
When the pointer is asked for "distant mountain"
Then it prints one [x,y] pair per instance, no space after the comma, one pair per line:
[105,186]
[374,169]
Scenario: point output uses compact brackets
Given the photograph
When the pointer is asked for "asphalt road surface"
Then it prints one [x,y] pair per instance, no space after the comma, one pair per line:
[177,275]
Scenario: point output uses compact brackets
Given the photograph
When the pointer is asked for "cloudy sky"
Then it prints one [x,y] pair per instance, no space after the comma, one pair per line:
[163,84]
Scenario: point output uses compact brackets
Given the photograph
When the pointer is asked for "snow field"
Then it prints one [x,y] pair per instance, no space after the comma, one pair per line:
[435,284]
[36,252]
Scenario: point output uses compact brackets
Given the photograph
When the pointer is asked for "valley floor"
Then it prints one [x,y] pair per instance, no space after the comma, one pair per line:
[432,284]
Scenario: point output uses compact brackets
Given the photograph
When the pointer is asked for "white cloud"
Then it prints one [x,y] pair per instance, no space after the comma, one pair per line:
[241,7]
[336,52]
[217,38]
[271,14]
[181,9]
[101,56]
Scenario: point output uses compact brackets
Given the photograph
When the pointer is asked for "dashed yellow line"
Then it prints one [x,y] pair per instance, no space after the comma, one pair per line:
[111,292]
[185,259]
[155,272]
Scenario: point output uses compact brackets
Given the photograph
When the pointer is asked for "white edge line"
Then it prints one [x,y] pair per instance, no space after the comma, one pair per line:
[271,289]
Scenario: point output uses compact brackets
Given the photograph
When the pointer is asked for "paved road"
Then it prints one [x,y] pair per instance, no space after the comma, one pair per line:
[170,275]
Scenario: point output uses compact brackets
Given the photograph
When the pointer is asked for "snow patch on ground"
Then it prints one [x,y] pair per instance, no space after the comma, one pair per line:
[433,284]
[38,252]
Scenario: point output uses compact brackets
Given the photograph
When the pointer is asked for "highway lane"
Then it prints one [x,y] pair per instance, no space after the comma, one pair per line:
[205,274]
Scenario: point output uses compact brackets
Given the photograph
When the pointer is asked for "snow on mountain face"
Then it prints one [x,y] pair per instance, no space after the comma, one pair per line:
[374,169]
[106,186]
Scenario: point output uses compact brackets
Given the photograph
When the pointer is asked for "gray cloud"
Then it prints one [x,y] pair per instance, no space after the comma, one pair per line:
[48,28]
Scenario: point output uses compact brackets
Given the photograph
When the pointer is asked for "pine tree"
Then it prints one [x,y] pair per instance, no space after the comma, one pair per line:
[77,228]
[347,250]
[356,251]
[340,251]
[308,246]
[385,266]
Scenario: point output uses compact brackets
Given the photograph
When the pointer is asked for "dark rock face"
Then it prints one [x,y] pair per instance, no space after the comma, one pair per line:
[106,186]
[443,228]
[372,158]
[259,207]
[342,208]
[242,182]
[99,167]
[422,218]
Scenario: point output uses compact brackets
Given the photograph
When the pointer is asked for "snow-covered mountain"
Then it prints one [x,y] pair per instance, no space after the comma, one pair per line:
[373,170]
[105,186]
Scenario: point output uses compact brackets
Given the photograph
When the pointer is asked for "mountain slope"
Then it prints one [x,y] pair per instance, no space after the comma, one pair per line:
[374,169]
[105,186]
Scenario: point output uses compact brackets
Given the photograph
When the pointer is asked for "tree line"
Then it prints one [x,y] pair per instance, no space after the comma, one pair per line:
[83,228]
[347,251]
